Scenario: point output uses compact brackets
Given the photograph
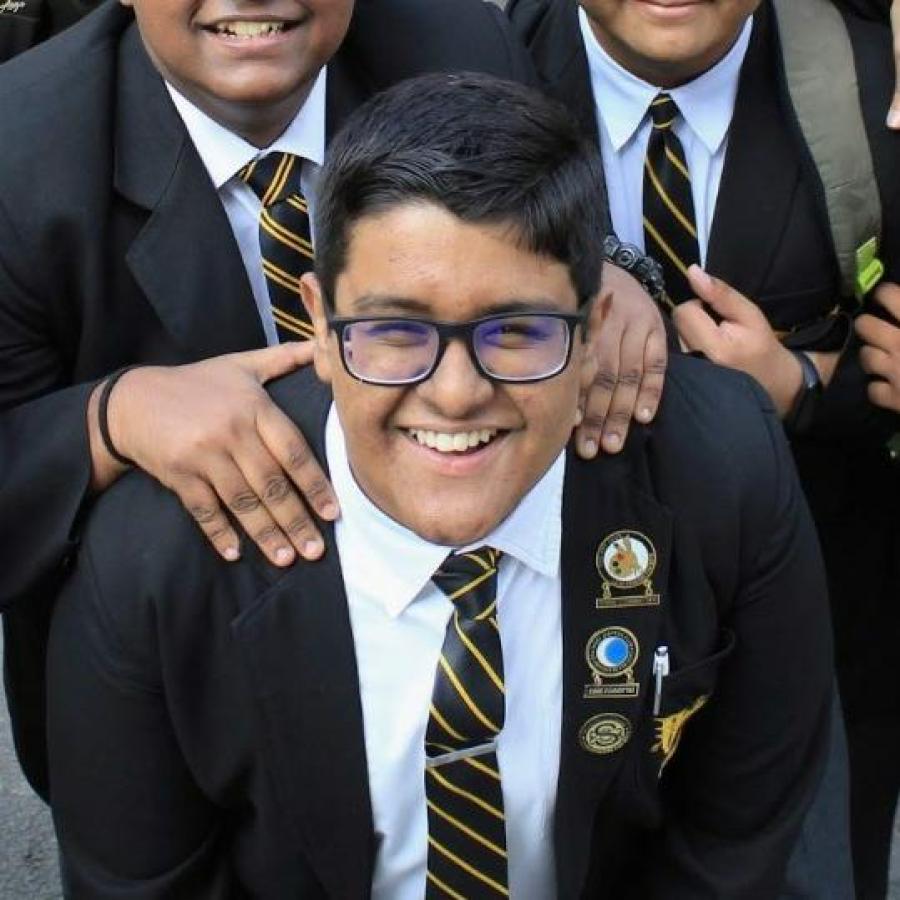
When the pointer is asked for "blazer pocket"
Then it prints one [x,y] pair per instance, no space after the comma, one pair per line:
[684,693]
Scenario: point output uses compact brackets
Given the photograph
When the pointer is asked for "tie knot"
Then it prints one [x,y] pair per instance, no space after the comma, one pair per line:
[470,580]
[273,177]
[663,111]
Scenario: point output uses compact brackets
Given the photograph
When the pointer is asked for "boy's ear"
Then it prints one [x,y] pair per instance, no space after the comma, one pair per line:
[314,302]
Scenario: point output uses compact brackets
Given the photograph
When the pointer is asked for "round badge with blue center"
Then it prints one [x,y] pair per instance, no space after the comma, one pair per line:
[612,651]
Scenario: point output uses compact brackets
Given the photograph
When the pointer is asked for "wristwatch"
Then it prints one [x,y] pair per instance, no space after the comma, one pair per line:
[800,415]
[640,266]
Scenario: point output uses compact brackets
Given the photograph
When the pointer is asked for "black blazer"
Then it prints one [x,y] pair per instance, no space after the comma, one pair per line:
[115,249]
[205,724]
[769,236]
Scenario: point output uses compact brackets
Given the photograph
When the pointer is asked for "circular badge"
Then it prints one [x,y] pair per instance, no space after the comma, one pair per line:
[605,733]
[626,558]
[612,651]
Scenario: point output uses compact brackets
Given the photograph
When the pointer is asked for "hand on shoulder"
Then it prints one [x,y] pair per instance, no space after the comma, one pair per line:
[210,433]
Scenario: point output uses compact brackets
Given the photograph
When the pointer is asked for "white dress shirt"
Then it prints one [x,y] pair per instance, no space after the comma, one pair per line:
[399,619]
[225,153]
[622,101]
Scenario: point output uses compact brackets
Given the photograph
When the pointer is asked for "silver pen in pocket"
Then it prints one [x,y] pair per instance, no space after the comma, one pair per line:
[660,670]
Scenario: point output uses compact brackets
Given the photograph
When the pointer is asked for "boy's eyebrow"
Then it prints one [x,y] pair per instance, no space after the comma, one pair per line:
[385,303]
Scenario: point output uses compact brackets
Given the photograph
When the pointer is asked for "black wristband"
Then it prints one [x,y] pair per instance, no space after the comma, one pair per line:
[103,415]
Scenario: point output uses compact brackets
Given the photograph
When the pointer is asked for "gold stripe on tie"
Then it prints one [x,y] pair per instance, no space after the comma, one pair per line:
[670,253]
[670,226]
[285,238]
[477,654]
[679,215]
[481,876]
[463,789]
[472,798]
[487,770]
[435,714]
[464,696]
[466,830]
[444,887]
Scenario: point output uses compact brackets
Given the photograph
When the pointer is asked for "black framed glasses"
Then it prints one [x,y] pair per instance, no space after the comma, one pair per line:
[515,348]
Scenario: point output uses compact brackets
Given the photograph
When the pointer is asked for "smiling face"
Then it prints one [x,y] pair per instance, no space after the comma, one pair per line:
[404,443]
[248,64]
[667,42]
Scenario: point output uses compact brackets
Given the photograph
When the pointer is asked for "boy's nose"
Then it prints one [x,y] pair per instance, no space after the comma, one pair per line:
[457,387]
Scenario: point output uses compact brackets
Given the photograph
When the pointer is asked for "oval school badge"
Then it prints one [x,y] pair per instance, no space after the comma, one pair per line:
[612,653]
[605,734]
[626,561]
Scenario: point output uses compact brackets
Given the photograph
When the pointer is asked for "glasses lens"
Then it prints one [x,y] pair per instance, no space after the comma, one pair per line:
[389,351]
[518,348]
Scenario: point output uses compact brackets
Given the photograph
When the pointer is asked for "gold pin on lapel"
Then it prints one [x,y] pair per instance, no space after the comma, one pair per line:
[670,728]
[626,561]
[604,734]
[612,654]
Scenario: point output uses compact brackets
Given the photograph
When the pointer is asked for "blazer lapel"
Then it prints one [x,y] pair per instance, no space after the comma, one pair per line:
[296,645]
[760,176]
[559,55]
[184,258]
[615,562]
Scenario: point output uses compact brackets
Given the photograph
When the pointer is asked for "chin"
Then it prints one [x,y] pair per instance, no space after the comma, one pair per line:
[453,531]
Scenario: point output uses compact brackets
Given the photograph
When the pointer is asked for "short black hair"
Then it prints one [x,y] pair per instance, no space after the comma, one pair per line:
[487,150]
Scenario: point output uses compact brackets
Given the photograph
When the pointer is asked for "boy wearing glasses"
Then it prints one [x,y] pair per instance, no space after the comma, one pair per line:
[535,676]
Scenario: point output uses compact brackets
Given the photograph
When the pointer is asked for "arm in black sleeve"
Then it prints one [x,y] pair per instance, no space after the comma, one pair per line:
[45,465]
[750,761]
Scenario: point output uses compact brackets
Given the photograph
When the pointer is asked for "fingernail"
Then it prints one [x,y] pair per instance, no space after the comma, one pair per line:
[231,554]
[645,415]
[330,510]
[612,442]
[284,555]
[312,549]
[589,447]
[893,119]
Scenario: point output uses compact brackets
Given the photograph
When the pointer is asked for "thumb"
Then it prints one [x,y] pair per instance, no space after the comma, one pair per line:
[272,362]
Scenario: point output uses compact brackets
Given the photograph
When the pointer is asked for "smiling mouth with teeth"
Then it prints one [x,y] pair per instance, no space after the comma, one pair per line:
[241,29]
[456,442]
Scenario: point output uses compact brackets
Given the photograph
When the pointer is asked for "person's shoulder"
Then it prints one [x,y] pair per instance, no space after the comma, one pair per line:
[66,61]
[717,441]
[396,39]
[55,98]
[144,575]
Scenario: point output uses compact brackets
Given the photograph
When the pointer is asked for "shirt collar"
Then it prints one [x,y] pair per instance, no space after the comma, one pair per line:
[706,103]
[225,153]
[394,564]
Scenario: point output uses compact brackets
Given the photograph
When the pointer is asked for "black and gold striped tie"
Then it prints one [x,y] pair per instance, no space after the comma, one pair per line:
[466,824]
[285,239]
[670,227]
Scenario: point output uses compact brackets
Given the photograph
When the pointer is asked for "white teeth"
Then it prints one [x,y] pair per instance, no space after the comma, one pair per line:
[249,29]
[455,442]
